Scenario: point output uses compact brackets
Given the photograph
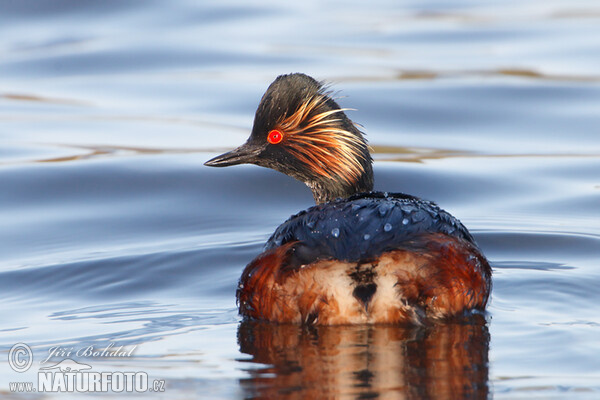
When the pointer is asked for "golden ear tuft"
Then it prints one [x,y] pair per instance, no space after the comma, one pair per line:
[321,143]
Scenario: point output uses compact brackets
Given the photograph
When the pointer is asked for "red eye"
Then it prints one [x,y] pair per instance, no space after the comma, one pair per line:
[275,136]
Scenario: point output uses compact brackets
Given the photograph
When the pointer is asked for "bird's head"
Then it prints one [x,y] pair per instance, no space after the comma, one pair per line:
[301,131]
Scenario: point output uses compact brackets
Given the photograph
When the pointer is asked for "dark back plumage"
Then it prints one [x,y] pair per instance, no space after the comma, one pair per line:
[364,226]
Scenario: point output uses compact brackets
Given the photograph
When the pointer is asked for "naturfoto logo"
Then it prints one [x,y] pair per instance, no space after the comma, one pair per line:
[69,375]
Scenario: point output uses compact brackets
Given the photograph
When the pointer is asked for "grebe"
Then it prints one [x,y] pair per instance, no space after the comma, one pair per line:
[358,256]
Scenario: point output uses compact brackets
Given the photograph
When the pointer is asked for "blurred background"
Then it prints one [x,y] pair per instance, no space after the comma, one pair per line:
[112,231]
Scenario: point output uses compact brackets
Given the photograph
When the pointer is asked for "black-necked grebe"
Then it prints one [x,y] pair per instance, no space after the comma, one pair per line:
[357,256]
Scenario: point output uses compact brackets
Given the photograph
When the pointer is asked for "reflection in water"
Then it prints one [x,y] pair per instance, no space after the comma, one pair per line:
[369,361]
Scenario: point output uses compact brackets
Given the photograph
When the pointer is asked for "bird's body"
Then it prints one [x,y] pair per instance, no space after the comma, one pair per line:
[357,256]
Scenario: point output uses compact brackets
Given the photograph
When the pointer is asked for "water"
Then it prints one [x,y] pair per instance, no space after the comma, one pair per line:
[114,233]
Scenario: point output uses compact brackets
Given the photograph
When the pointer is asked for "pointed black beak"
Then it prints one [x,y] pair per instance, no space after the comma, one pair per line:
[245,154]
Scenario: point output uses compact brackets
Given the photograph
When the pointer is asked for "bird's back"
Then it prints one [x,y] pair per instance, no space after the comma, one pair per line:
[364,226]
[373,257]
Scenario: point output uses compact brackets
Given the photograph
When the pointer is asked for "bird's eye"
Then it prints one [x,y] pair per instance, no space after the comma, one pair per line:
[275,136]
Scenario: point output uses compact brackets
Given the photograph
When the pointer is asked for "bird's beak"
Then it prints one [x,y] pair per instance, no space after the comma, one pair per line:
[245,154]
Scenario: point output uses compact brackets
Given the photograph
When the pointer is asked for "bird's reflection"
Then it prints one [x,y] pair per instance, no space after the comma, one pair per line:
[442,361]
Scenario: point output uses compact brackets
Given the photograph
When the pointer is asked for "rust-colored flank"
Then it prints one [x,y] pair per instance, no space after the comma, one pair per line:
[443,280]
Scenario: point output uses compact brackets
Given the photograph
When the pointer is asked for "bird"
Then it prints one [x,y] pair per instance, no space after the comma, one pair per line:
[357,256]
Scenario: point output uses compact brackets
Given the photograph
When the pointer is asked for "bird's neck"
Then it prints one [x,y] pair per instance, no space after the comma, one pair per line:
[331,189]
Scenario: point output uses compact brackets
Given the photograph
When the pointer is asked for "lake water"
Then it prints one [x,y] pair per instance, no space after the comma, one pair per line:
[113,233]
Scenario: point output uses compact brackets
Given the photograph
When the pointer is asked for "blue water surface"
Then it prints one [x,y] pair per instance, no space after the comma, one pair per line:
[113,233]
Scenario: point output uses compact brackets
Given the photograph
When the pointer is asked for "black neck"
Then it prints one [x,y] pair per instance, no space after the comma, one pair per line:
[328,190]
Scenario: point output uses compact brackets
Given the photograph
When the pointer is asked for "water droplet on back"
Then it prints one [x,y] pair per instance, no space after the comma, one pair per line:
[405,221]
[407,208]
[335,232]
[383,209]
[387,227]
[418,216]
[367,236]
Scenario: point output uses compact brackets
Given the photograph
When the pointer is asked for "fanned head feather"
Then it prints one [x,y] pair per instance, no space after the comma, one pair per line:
[316,139]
